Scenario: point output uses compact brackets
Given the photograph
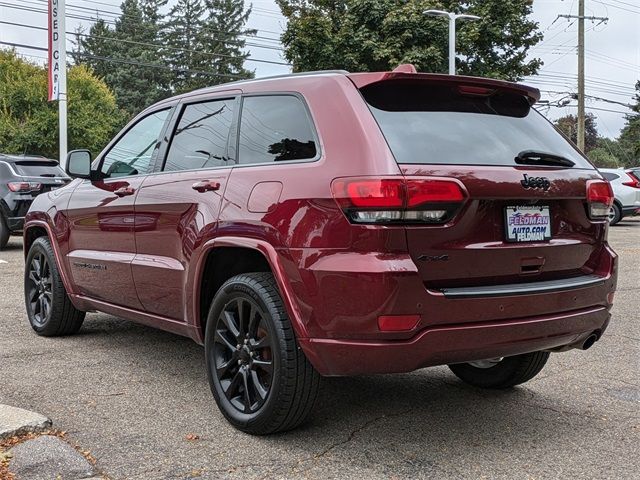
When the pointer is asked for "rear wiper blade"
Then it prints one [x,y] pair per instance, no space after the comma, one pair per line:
[535,157]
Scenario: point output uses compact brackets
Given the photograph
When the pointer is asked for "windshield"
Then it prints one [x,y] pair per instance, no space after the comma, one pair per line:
[38,168]
[434,124]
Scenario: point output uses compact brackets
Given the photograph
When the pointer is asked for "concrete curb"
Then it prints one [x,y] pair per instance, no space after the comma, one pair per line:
[16,421]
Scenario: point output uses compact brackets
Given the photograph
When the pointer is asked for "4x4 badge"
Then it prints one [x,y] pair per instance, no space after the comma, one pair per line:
[535,182]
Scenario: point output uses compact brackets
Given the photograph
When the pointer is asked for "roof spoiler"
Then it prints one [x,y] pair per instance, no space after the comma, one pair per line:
[408,72]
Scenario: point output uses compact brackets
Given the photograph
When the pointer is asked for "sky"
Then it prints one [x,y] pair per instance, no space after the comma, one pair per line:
[612,64]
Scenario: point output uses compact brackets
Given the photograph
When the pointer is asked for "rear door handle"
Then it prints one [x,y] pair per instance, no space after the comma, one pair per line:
[124,191]
[206,186]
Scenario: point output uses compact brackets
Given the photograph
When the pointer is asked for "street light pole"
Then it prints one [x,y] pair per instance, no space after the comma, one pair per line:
[452,32]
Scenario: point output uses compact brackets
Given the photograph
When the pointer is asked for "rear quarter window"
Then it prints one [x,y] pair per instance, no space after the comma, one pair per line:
[37,168]
[610,176]
[275,128]
[426,123]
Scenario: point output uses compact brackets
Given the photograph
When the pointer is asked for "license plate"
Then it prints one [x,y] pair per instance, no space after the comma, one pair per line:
[527,223]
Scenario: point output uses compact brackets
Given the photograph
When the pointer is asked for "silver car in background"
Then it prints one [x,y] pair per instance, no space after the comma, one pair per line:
[626,190]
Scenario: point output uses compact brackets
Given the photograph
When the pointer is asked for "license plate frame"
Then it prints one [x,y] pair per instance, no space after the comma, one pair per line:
[527,223]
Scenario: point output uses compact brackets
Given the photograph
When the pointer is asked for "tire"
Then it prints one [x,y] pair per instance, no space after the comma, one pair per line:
[49,308]
[504,373]
[615,214]
[4,232]
[281,385]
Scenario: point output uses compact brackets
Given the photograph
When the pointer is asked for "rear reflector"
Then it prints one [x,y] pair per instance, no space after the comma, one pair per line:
[398,200]
[599,199]
[24,186]
[396,323]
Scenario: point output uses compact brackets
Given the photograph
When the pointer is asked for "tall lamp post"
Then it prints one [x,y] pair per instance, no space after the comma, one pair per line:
[452,32]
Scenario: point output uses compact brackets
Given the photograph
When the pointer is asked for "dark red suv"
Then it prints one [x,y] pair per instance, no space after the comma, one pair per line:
[333,224]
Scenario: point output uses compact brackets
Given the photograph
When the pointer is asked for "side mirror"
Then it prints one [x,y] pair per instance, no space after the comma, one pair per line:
[79,164]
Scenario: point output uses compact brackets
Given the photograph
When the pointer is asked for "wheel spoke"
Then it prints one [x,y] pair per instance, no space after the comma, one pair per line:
[42,306]
[242,319]
[44,268]
[245,384]
[33,276]
[224,368]
[45,307]
[234,385]
[33,295]
[257,385]
[229,322]
[265,365]
[253,322]
[260,343]
[36,266]
[220,338]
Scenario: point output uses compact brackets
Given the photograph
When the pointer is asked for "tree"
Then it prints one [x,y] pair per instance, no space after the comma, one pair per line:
[29,123]
[603,158]
[375,35]
[94,47]
[127,57]
[182,37]
[223,33]
[569,126]
[629,139]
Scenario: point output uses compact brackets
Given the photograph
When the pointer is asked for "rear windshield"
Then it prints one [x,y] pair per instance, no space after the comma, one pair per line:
[38,168]
[433,124]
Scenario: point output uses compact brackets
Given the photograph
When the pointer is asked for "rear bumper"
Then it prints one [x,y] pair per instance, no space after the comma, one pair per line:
[441,345]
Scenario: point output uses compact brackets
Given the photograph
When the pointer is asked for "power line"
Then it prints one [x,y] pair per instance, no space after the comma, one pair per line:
[595,108]
[129,62]
[121,14]
[613,5]
[133,42]
[111,22]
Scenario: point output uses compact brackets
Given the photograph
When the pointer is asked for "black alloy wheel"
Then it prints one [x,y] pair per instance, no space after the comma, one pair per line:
[258,374]
[39,289]
[243,354]
[48,306]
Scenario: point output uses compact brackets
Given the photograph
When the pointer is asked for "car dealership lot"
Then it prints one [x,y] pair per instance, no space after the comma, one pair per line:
[138,399]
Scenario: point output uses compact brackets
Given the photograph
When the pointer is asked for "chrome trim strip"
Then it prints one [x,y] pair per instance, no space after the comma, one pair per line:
[523,288]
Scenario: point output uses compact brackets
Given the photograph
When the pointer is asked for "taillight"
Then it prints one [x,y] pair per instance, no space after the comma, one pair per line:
[398,200]
[599,199]
[634,182]
[24,186]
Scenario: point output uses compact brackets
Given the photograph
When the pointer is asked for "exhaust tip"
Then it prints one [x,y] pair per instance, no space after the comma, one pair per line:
[591,339]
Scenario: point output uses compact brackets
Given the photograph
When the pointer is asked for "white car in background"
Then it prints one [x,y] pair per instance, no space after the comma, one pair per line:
[626,190]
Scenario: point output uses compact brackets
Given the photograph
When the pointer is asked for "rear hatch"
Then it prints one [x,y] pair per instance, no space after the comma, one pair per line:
[41,172]
[525,216]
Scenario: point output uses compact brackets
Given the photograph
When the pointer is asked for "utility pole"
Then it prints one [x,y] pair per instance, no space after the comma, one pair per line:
[581,115]
[452,32]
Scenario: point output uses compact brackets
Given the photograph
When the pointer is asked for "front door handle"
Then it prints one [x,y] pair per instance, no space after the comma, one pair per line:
[124,191]
[206,186]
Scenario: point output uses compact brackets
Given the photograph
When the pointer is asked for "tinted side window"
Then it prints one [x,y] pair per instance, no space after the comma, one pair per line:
[609,176]
[275,128]
[200,139]
[131,155]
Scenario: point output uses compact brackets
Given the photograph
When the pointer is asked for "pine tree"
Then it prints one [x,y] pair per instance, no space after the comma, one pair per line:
[136,82]
[223,34]
[93,47]
[181,36]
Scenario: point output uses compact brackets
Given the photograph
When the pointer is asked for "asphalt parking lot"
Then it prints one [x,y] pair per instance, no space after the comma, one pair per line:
[138,400]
